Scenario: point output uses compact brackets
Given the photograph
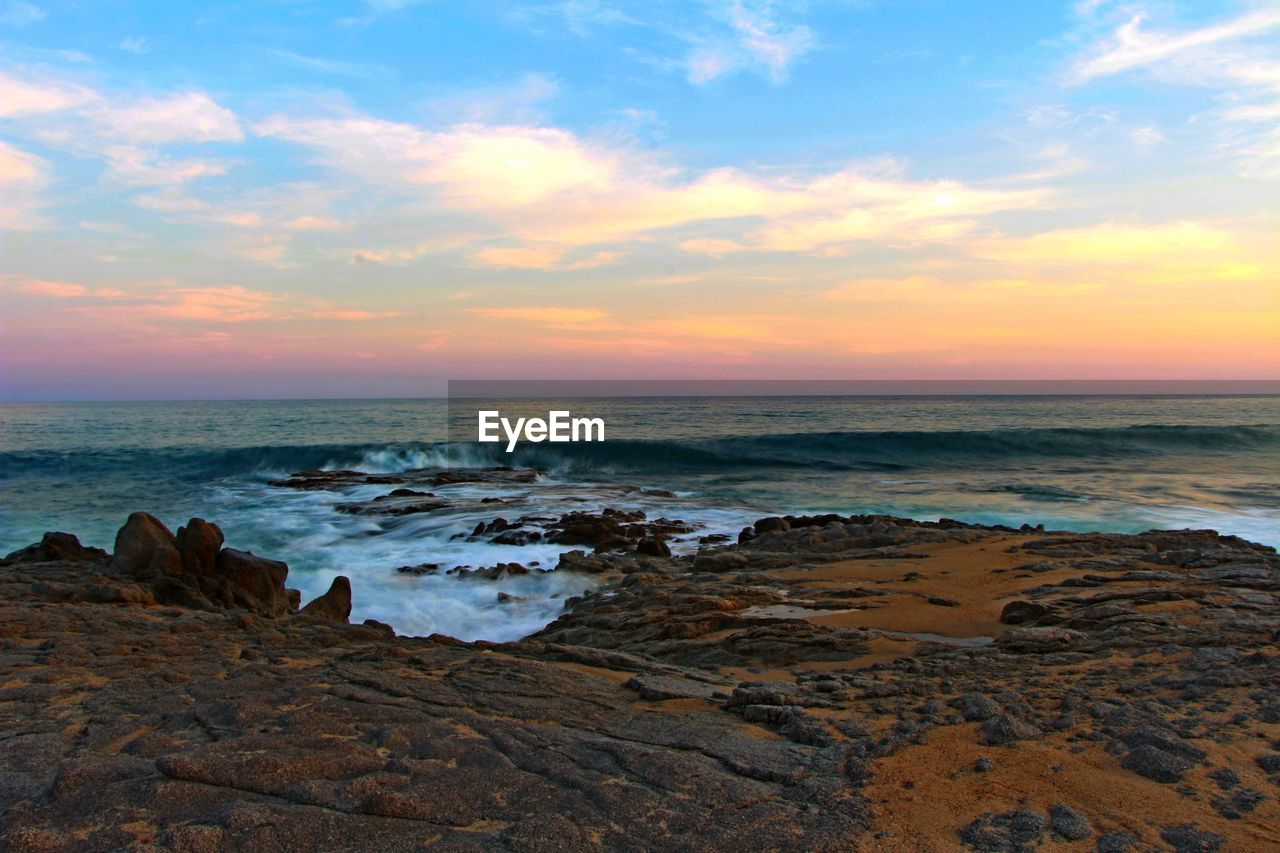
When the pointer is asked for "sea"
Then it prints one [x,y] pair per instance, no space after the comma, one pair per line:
[1111,463]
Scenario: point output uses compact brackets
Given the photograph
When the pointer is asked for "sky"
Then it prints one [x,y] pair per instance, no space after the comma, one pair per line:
[368,198]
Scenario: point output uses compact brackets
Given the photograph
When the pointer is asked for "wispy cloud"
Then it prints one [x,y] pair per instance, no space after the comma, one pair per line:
[757,38]
[18,13]
[135,44]
[1132,47]
[337,67]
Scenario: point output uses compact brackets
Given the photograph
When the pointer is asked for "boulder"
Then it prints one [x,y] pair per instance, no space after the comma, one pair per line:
[145,548]
[1024,612]
[653,547]
[198,544]
[1004,728]
[257,584]
[1155,764]
[334,604]
[772,524]
[56,546]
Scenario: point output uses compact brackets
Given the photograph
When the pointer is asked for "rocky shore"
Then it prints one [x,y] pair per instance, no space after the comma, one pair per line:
[832,683]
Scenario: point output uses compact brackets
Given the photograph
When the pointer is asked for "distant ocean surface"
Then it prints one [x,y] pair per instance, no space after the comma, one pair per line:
[1116,463]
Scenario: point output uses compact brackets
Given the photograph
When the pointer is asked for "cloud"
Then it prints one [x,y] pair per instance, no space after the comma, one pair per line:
[22,176]
[184,117]
[336,67]
[1114,243]
[1132,47]
[314,223]
[756,39]
[550,315]
[554,190]
[354,314]
[540,257]
[17,13]
[229,304]
[135,44]
[39,287]
[140,166]
[23,97]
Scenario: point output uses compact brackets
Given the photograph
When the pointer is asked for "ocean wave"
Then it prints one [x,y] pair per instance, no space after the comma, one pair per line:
[856,450]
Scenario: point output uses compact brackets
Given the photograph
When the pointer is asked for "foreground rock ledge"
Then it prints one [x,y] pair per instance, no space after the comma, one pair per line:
[829,683]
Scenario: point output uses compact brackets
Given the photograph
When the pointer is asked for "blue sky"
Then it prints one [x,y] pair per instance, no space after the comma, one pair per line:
[394,192]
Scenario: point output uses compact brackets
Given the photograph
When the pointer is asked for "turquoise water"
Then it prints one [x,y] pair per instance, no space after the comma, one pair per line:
[1110,463]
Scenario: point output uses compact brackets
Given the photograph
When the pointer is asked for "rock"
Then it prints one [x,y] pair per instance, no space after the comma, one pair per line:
[976,707]
[1238,804]
[1069,823]
[770,525]
[1117,842]
[145,548]
[198,544]
[1269,763]
[1006,729]
[1024,612]
[56,546]
[1188,838]
[653,547]
[983,765]
[257,584]
[1011,831]
[725,561]
[657,688]
[1021,641]
[1155,764]
[1165,740]
[334,604]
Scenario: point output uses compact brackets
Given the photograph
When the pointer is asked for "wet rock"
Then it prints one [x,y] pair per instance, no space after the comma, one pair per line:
[725,561]
[1069,823]
[335,604]
[653,547]
[1156,764]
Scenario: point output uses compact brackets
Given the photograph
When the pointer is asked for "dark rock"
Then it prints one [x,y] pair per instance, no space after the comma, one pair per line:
[334,604]
[983,765]
[145,548]
[653,547]
[1165,740]
[198,544]
[772,524]
[1269,763]
[1024,612]
[256,583]
[1069,823]
[1006,729]
[1238,804]
[1155,764]
[1188,838]
[976,707]
[56,546]
[1117,842]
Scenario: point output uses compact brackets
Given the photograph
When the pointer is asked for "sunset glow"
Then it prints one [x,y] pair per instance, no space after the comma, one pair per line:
[334,199]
